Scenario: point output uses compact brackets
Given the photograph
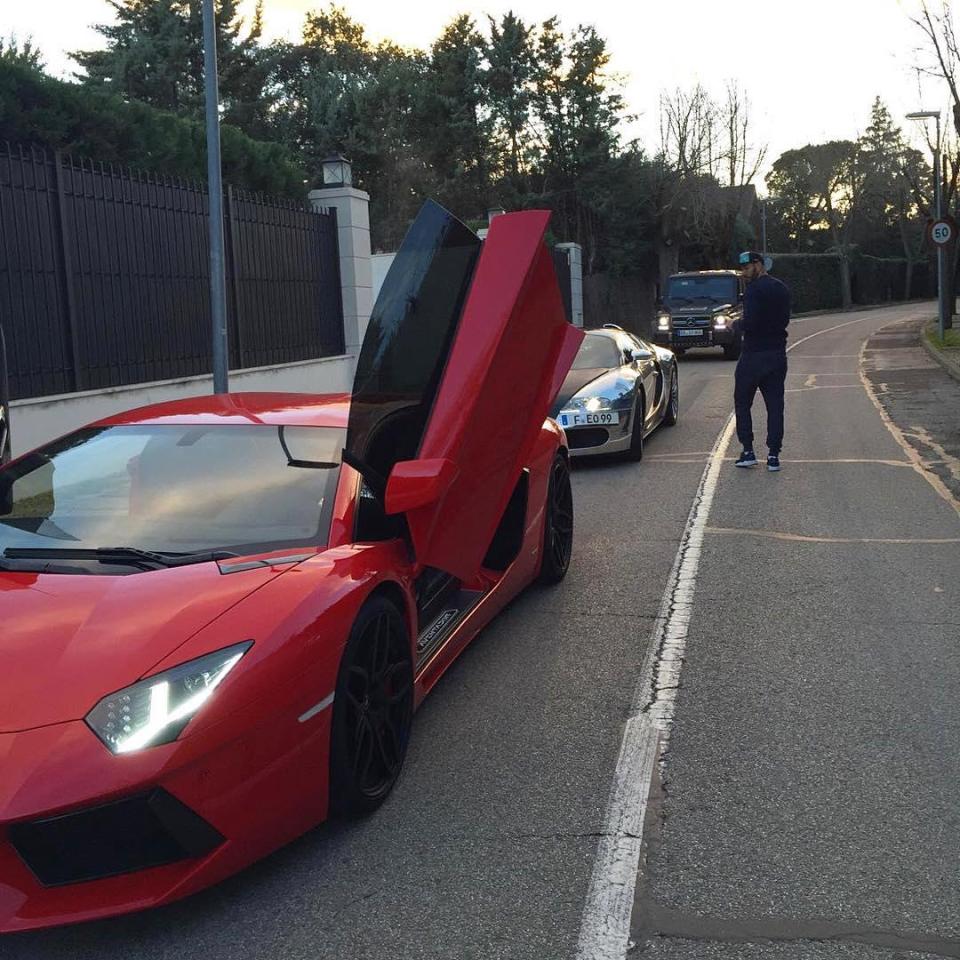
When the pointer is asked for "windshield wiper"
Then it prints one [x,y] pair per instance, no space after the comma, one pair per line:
[128,555]
[678,297]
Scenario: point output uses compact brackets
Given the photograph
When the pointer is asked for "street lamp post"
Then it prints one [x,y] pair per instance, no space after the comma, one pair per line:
[4,403]
[218,280]
[944,314]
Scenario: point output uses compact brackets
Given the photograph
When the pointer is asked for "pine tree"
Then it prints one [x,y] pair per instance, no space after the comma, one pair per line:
[25,53]
[154,54]
[511,59]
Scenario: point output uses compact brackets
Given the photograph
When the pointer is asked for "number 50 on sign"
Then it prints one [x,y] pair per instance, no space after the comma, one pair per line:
[942,232]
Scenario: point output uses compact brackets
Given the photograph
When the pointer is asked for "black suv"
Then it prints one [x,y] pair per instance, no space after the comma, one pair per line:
[699,310]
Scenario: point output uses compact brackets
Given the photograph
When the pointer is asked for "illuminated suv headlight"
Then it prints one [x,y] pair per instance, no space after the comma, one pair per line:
[663,322]
[720,321]
[155,710]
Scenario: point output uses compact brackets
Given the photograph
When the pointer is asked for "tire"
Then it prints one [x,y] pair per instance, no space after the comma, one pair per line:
[372,711]
[732,350]
[635,452]
[557,544]
[672,413]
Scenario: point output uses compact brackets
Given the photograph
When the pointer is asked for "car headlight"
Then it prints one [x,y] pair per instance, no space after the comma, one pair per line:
[155,710]
[720,321]
[597,403]
[663,322]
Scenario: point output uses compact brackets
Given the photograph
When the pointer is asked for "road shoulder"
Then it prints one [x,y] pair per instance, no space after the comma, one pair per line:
[921,399]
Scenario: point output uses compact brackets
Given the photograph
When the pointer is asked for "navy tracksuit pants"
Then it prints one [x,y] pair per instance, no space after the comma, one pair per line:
[765,370]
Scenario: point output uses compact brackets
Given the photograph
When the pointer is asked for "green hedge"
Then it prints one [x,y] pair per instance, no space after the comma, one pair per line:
[882,279]
[37,109]
[813,279]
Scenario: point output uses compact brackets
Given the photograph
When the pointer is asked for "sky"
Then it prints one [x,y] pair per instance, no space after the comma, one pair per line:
[811,68]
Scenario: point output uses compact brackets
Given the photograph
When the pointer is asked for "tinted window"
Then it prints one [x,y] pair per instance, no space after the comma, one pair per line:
[597,350]
[408,339]
[174,489]
[718,289]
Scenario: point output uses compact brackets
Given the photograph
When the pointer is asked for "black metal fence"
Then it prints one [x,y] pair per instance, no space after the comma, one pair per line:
[104,276]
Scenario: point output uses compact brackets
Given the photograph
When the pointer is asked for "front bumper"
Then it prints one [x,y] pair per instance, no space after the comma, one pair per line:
[85,834]
[689,337]
[598,440]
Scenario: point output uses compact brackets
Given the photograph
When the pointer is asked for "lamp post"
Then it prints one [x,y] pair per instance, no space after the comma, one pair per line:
[763,226]
[944,314]
[218,279]
[4,403]
[337,171]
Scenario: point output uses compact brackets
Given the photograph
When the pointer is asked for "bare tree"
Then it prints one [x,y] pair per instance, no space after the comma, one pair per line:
[708,164]
[744,158]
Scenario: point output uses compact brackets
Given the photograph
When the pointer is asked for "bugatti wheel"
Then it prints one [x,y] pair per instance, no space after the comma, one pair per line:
[673,404]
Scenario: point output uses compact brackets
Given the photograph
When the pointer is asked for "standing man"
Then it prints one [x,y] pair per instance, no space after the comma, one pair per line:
[763,358]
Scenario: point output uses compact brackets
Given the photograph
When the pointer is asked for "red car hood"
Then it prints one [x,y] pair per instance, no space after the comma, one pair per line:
[68,640]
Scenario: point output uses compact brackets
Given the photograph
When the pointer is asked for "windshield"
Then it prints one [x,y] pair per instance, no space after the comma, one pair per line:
[174,489]
[597,351]
[692,289]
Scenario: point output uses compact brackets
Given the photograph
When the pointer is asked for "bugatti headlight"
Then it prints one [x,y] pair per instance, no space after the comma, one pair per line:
[663,321]
[156,710]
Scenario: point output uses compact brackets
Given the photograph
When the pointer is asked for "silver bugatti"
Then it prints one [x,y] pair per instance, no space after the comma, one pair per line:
[619,390]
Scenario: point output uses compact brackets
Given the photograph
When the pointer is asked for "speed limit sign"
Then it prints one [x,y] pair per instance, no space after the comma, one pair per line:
[942,232]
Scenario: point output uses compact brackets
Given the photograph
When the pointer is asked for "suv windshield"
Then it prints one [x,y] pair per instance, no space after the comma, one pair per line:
[597,350]
[174,489]
[691,289]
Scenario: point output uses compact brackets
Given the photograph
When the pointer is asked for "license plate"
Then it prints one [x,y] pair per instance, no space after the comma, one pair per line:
[690,333]
[580,418]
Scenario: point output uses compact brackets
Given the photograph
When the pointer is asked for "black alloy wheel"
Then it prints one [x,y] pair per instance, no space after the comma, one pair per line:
[673,404]
[558,523]
[639,423]
[372,711]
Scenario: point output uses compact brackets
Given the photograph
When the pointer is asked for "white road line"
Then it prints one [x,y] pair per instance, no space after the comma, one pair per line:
[605,925]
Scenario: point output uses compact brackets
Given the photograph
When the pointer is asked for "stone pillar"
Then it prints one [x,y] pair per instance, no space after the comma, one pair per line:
[356,278]
[575,258]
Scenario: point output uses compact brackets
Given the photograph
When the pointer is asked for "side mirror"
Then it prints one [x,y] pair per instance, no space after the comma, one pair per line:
[638,353]
[417,483]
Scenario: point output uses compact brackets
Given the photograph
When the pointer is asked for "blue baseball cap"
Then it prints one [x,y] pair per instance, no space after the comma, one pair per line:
[750,256]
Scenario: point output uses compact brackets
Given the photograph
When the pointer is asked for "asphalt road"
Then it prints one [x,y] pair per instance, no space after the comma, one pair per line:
[809,788]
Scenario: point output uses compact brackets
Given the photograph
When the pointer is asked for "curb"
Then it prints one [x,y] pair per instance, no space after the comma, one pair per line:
[951,366]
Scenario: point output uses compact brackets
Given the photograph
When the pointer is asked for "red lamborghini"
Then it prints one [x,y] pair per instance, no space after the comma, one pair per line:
[219,615]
